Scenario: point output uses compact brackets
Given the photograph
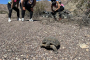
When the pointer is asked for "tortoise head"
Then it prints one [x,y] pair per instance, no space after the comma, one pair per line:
[47,44]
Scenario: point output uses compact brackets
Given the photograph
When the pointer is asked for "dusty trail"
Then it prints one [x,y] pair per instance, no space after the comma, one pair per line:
[21,40]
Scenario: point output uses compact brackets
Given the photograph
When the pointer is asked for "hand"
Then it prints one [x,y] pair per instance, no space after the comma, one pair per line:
[23,8]
[52,13]
[31,5]
[52,10]
[31,9]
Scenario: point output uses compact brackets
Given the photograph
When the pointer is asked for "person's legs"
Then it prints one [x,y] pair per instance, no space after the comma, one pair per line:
[30,9]
[17,10]
[22,11]
[10,12]
[23,14]
[31,13]
[60,10]
[54,14]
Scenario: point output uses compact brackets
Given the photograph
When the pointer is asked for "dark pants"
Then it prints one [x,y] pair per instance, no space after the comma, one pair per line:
[28,7]
[10,10]
[59,10]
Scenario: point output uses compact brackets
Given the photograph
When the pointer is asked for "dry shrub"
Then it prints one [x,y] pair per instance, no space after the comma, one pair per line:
[89,15]
[83,3]
[81,7]
[3,12]
[39,8]
[75,1]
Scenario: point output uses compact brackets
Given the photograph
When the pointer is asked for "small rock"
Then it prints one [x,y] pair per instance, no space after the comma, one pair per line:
[84,45]
[75,59]
[79,57]
[22,55]
[63,47]
[87,49]
[5,55]
[87,35]
[63,58]
[33,58]
[45,32]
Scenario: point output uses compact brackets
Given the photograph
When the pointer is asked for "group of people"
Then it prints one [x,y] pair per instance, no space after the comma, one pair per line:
[29,4]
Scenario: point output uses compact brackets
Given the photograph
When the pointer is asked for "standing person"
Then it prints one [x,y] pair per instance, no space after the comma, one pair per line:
[59,7]
[12,5]
[27,4]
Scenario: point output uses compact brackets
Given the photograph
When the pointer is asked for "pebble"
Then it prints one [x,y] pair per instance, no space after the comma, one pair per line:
[33,58]
[79,58]
[87,35]
[5,55]
[63,47]
[87,49]
[83,45]
[75,59]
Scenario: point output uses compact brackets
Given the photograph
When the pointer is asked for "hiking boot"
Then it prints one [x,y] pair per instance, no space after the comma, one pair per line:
[31,19]
[22,19]
[9,20]
[18,19]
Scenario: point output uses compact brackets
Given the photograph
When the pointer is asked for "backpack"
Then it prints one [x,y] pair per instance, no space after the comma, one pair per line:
[62,5]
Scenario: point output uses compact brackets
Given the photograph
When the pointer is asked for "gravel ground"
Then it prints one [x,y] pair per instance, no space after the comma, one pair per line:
[21,40]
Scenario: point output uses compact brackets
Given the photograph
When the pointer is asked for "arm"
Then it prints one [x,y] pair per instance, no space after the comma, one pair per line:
[57,5]
[22,3]
[34,3]
[12,4]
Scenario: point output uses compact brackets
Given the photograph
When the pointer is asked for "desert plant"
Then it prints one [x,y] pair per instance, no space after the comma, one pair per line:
[75,1]
[39,8]
[88,4]
[3,12]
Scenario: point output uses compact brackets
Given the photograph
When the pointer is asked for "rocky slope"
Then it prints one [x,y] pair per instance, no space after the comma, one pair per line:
[21,40]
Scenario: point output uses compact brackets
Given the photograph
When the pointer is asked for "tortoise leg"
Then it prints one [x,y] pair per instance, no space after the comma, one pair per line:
[54,48]
[43,45]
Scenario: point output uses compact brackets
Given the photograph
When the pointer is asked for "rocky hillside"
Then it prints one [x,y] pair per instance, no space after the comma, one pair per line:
[21,40]
[78,8]
[3,9]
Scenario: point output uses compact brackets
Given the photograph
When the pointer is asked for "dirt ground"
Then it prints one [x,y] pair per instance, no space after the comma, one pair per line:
[21,40]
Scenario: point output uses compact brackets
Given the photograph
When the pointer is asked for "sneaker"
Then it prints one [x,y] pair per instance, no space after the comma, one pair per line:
[31,19]
[18,19]
[22,19]
[9,20]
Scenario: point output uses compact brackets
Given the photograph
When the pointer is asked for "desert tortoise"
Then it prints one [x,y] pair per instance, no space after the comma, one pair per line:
[52,43]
